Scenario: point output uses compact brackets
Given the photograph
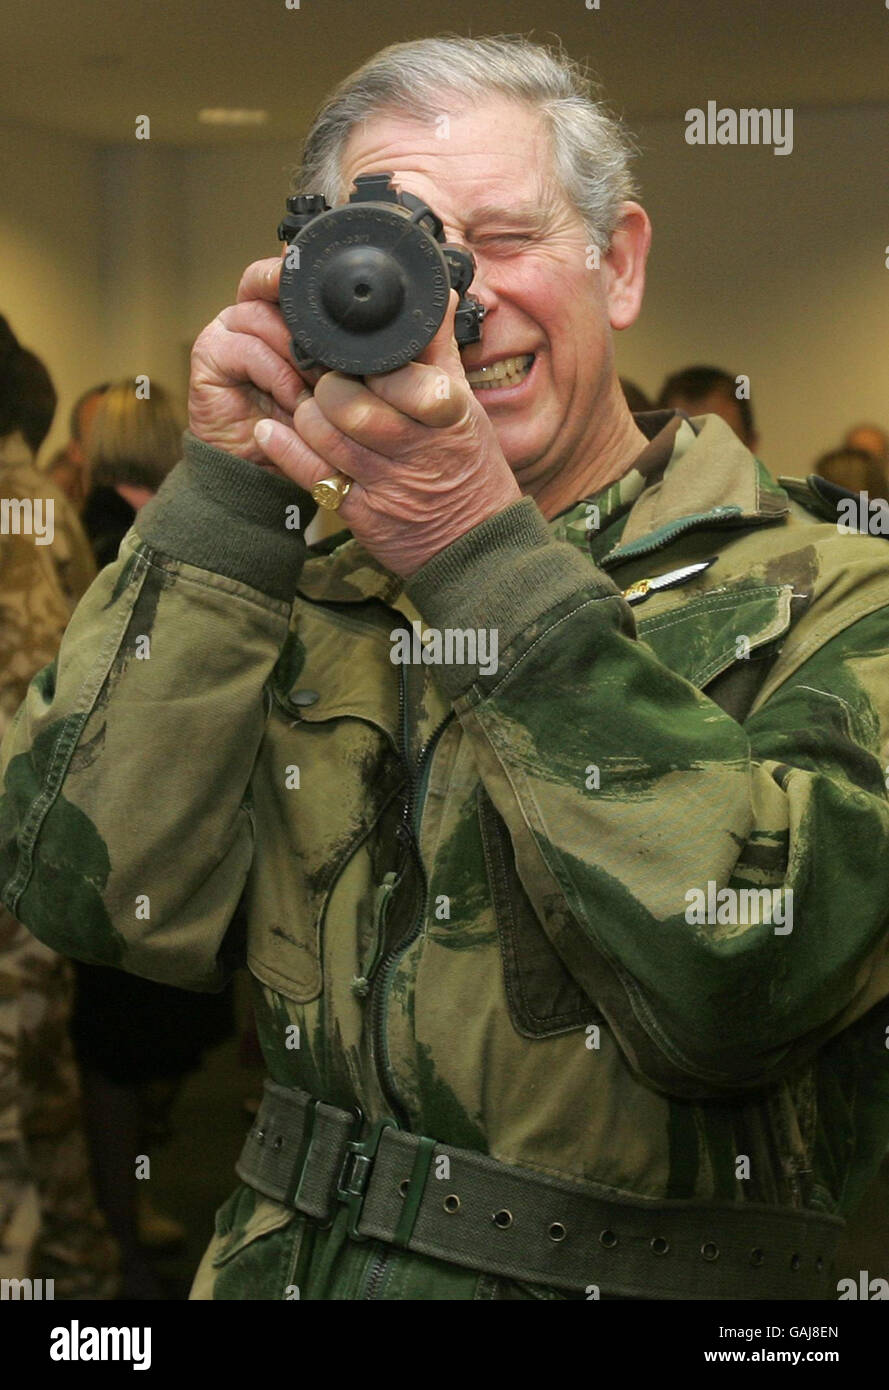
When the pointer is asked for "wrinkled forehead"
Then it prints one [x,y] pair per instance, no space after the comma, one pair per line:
[462,160]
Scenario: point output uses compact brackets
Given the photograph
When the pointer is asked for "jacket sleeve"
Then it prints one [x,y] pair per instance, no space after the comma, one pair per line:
[125,822]
[793,800]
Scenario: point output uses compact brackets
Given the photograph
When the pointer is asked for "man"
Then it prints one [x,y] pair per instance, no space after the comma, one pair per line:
[710,390]
[569,956]
[68,469]
[873,440]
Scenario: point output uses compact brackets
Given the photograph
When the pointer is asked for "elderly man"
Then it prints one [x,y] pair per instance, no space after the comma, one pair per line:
[570,965]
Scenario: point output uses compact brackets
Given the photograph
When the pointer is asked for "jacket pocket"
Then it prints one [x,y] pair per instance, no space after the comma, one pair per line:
[254,1252]
[326,771]
[723,641]
[544,998]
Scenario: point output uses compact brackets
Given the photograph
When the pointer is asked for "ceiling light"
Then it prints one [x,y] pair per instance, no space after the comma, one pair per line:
[224,115]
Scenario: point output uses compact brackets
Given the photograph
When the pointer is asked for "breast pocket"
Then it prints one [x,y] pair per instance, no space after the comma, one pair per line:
[327,769]
[723,641]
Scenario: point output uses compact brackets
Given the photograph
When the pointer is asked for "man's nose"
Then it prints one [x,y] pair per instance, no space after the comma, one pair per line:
[482,286]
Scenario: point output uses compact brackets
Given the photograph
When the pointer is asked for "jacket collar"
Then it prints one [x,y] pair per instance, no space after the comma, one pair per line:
[710,478]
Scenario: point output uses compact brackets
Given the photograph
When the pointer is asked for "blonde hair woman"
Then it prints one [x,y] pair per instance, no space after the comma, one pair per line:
[132,446]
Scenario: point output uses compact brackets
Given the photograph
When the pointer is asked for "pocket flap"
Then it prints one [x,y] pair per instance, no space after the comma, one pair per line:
[700,637]
[333,665]
[244,1218]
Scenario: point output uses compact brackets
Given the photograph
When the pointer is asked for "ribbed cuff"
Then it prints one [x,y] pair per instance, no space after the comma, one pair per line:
[224,514]
[503,576]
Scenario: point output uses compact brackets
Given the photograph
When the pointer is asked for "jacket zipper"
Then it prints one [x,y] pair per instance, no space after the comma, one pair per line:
[624,555]
[417,778]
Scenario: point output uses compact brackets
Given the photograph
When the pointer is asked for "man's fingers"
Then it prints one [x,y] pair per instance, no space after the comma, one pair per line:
[242,359]
[432,390]
[443,351]
[428,394]
[261,319]
[283,447]
[320,420]
[260,281]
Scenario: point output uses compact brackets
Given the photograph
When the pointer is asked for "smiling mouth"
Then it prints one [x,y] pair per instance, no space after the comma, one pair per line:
[509,371]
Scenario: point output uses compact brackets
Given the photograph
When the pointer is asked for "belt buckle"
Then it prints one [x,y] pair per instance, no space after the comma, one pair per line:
[351,1186]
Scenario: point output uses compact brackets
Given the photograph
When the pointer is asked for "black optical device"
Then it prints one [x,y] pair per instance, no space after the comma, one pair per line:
[364,286]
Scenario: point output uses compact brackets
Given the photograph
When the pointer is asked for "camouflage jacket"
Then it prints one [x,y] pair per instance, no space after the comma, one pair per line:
[39,583]
[226,719]
[50,1227]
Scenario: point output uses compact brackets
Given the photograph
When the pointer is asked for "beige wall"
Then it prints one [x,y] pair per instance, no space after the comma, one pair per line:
[773,266]
[114,258]
[50,231]
[92,260]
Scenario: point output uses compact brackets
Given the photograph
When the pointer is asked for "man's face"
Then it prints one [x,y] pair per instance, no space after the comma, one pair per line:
[872,441]
[490,181]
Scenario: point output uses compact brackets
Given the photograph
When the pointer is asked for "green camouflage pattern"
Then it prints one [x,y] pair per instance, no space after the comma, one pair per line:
[526,983]
[50,1226]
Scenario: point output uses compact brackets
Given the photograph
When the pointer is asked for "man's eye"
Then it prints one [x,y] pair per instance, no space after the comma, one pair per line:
[505,239]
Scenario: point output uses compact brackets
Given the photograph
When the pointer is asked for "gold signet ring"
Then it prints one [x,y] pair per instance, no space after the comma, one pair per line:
[331,492]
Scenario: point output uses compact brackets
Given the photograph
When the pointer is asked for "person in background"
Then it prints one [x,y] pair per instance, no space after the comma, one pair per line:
[855,469]
[131,446]
[874,441]
[136,1040]
[50,1225]
[710,391]
[67,467]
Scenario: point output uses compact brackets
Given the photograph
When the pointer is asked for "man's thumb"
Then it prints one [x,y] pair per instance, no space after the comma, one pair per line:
[443,351]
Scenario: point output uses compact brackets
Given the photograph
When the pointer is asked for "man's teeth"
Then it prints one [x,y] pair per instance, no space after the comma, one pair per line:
[509,372]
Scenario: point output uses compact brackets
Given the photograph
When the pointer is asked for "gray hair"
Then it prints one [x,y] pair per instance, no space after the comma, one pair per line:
[591,148]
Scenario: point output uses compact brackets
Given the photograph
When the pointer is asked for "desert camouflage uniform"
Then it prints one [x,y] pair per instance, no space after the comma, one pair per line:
[50,1227]
[475,875]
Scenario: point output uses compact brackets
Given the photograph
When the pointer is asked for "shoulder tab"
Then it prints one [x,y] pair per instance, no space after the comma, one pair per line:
[817,495]
[853,513]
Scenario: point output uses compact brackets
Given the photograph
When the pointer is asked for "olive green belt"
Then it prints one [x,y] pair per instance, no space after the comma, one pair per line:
[499,1218]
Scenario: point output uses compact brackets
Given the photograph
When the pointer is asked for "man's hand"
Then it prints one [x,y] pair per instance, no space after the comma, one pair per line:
[241,368]
[423,454]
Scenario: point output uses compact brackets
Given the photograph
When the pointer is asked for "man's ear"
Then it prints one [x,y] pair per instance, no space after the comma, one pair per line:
[624,265]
